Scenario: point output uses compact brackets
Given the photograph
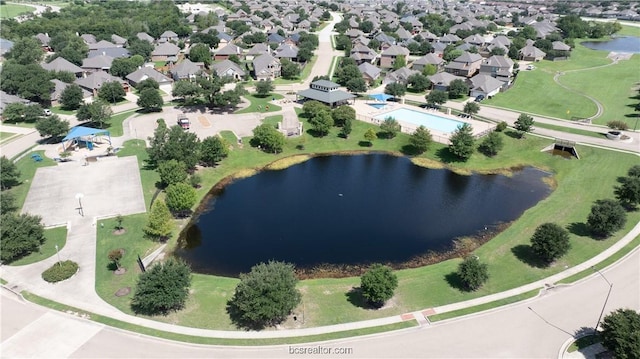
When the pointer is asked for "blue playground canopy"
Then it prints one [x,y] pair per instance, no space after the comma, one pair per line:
[85,134]
[380,96]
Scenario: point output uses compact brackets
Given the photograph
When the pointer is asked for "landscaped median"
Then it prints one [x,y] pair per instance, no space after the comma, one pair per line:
[325,301]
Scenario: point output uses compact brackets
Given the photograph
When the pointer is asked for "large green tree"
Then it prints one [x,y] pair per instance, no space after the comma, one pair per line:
[213,150]
[491,144]
[523,124]
[356,85]
[418,82]
[621,333]
[395,89]
[550,242]
[98,112]
[457,89]
[20,234]
[462,142]
[180,198]
[71,97]
[473,273]
[607,216]
[289,69]
[390,127]
[265,296]
[163,288]
[174,143]
[200,53]
[471,108]
[122,66]
[378,284]
[628,192]
[111,92]
[52,126]
[29,81]
[264,88]
[24,51]
[9,173]
[185,89]
[421,139]
[150,100]
[172,171]
[343,113]
[321,123]
[160,222]
[268,138]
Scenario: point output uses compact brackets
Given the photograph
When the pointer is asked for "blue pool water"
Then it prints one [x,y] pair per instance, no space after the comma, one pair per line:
[377,105]
[430,121]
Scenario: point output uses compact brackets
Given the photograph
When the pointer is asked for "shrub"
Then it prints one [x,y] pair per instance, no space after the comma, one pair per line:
[550,241]
[606,217]
[378,284]
[501,126]
[163,288]
[473,273]
[180,198]
[618,125]
[60,271]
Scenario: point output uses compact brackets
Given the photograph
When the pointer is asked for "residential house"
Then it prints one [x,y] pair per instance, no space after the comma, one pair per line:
[304,25]
[257,50]
[561,49]
[94,82]
[531,53]
[144,73]
[266,24]
[168,36]
[266,67]
[499,67]
[224,39]
[438,48]
[59,88]
[102,44]
[354,33]
[384,38]
[475,40]
[287,51]
[403,35]
[442,80]
[6,99]
[369,72]
[428,36]
[275,38]
[362,54]
[62,64]
[360,40]
[44,41]
[114,52]
[466,65]
[228,68]
[88,39]
[186,70]
[165,52]
[145,37]
[428,59]
[449,39]
[485,85]
[225,52]
[100,63]
[119,41]
[389,56]
[400,75]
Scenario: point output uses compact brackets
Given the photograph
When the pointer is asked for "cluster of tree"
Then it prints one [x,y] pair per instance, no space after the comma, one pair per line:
[347,74]
[30,81]
[122,66]
[150,99]
[162,288]
[418,82]
[20,112]
[395,89]
[69,46]
[97,112]
[210,90]
[620,333]
[572,26]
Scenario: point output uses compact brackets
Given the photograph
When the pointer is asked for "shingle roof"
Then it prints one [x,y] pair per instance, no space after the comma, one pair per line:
[230,49]
[97,62]
[96,80]
[166,49]
[485,83]
[262,61]
[222,67]
[144,73]
[326,97]
[185,69]
[395,50]
[61,64]
[429,59]
[369,69]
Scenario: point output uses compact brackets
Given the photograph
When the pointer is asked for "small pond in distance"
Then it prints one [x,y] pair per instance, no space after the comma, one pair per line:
[350,210]
[629,44]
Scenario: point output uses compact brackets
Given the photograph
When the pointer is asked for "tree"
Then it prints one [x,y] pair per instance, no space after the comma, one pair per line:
[304,54]
[24,51]
[32,113]
[172,172]
[147,83]
[265,296]
[378,284]
[200,53]
[492,144]
[97,112]
[429,69]
[213,150]
[163,288]
[621,333]
[419,82]
[52,126]
[436,97]
[347,72]
[399,62]
[174,143]
[366,26]
[289,69]
[457,89]
[498,51]
[628,193]
[523,124]
[14,112]
[28,81]
[64,76]
[268,138]
[370,135]
[20,234]
[606,217]
[321,123]
[71,97]
[471,108]
[357,85]
[185,89]
[264,88]
[395,89]
[313,107]
[111,92]
[9,173]
[115,256]
[160,223]
[7,203]
[346,128]
[343,113]
[121,67]
[462,142]
[390,127]
[550,242]
[473,273]
[180,198]
[150,100]
[421,139]
[634,171]
[140,47]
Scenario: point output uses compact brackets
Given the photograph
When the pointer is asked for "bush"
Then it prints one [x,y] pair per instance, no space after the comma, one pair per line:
[501,126]
[550,241]
[606,217]
[618,125]
[473,273]
[60,271]
[172,172]
[378,284]
[163,288]
[20,235]
[620,333]
[180,198]
[491,144]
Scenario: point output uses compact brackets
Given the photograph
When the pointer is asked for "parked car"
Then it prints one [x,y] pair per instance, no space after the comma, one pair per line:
[530,67]
[184,122]
[479,98]
[47,112]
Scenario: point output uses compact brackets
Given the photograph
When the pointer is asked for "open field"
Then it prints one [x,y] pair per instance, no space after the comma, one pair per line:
[8,11]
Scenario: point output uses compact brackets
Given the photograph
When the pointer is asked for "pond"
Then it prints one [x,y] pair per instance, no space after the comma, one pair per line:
[628,44]
[350,210]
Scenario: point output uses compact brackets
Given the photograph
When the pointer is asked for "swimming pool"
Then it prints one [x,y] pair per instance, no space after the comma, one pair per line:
[430,121]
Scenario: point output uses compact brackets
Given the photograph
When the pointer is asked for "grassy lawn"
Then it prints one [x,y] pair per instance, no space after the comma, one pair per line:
[58,110]
[571,130]
[27,167]
[53,236]
[331,67]
[536,92]
[483,307]
[115,124]
[272,120]
[8,11]
[261,102]
[326,301]
[5,136]
[300,78]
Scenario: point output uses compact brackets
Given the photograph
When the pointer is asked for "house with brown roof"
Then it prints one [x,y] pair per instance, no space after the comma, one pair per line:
[164,52]
[465,65]
[62,64]
[389,56]
[225,52]
[94,82]
[428,59]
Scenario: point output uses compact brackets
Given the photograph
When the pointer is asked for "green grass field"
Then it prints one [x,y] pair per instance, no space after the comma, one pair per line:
[300,78]
[8,11]
[262,103]
[571,130]
[4,136]
[54,236]
[115,124]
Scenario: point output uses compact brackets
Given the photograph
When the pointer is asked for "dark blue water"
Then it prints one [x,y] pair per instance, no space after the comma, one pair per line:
[350,210]
[630,44]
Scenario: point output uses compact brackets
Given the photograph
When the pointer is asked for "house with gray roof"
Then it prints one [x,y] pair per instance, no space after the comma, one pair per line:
[266,67]
[361,54]
[97,63]
[88,39]
[44,40]
[145,37]
[500,67]
[428,59]
[485,85]
[6,99]
[186,70]
[287,51]
[164,52]
[442,80]
[475,40]
[228,68]
[427,35]
[118,40]
[449,39]
[114,52]
[94,82]
[400,75]
[403,34]
[388,57]
[59,88]
[369,72]
[62,64]
[144,73]
[102,44]
[225,52]
[275,38]
[531,53]
[466,65]
[326,92]
[168,36]
[257,50]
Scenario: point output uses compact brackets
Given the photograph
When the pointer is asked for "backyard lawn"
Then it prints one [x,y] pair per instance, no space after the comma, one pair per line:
[8,11]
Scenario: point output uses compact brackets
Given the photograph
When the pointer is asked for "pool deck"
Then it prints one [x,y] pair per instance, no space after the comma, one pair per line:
[367,113]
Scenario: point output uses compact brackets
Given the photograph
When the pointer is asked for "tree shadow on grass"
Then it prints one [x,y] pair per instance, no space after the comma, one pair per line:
[513,134]
[235,315]
[455,281]
[445,155]
[355,297]
[409,150]
[579,229]
[525,254]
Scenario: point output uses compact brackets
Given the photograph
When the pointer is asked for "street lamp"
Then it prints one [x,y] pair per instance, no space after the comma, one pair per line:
[595,330]
[79,198]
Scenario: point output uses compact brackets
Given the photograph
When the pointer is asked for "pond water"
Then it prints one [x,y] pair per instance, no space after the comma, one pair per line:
[629,44]
[349,210]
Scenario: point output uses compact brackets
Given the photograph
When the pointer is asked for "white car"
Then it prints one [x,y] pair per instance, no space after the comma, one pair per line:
[47,112]
[530,67]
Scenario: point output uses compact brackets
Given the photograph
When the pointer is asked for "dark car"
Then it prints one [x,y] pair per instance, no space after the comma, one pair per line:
[479,98]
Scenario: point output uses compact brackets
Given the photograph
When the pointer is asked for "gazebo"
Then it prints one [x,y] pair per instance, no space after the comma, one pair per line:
[86,135]
[326,92]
